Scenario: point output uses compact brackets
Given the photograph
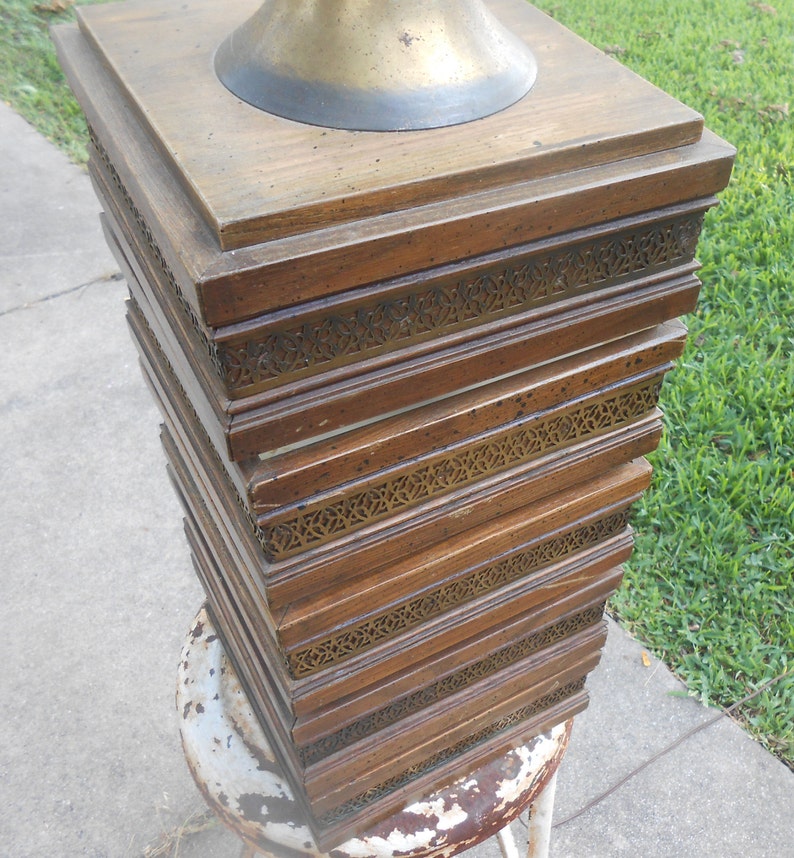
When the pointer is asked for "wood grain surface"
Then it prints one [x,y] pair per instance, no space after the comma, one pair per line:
[407,381]
[584,110]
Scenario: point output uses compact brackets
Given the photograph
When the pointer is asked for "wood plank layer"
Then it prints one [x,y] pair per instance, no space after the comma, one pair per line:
[224,288]
[321,732]
[420,586]
[215,420]
[435,666]
[366,455]
[441,726]
[437,519]
[299,176]
[364,676]
[371,395]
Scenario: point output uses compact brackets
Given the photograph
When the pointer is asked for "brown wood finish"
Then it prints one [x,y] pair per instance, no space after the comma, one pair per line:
[302,408]
[568,202]
[548,516]
[406,382]
[570,702]
[300,418]
[468,622]
[428,662]
[300,178]
[405,318]
[353,679]
[498,697]
[422,312]
[296,417]
[331,725]
[386,446]
[353,752]
[386,541]
[419,588]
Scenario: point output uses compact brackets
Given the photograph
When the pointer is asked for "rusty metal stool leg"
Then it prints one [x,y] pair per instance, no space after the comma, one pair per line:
[236,770]
[507,843]
[540,813]
[539,828]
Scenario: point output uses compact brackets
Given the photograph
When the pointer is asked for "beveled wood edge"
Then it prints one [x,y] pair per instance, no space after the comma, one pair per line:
[362,675]
[302,419]
[397,748]
[245,482]
[363,458]
[192,341]
[567,687]
[365,599]
[284,578]
[103,105]
[211,406]
[436,520]
[341,258]
[679,125]
[478,461]
[711,160]
[354,712]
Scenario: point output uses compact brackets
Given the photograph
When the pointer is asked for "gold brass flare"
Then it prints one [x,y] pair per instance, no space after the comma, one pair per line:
[376,66]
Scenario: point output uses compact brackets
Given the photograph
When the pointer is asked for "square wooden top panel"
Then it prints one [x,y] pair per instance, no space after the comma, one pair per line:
[256,177]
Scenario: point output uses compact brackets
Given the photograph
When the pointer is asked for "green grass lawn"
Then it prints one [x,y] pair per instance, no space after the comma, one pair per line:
[710,587]
[31,80]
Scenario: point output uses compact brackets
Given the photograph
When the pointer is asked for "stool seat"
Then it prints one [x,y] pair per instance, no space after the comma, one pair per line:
[236,770]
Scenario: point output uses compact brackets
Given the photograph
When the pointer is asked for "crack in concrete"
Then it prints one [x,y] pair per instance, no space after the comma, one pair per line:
[112,278]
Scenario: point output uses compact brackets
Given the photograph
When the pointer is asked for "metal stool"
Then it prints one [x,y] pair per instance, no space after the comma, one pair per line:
[236,771]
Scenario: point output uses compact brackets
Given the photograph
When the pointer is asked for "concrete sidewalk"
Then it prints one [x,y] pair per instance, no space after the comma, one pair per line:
[99,593]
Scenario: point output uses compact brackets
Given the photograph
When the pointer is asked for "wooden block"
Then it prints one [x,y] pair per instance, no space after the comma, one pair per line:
[343,619]
[327,728]
[666,169]
[442,729]
[271,425]
[284,165]
[406,381]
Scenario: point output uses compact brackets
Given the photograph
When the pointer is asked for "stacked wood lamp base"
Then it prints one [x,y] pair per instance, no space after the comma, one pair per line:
[407,380]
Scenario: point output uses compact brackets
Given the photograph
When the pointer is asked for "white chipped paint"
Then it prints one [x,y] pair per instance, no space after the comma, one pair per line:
[225,712]
[539,832]
[291,835]
[533,760]
[447,817]
[386,847]
[219,736]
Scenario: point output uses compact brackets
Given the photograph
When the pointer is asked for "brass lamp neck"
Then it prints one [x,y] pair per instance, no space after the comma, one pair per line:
[377,66]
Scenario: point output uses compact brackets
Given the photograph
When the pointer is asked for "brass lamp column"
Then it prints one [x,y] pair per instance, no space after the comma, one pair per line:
[376,66]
